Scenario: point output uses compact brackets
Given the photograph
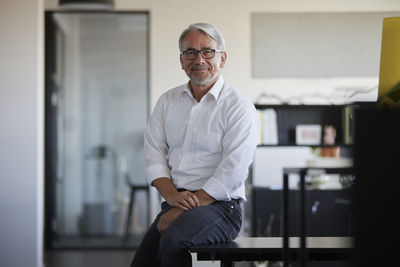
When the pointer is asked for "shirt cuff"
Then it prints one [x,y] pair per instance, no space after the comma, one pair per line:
[156,171]
[216,189]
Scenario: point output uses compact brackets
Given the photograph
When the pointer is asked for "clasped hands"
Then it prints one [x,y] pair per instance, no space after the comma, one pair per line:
[185,200]
[180,202]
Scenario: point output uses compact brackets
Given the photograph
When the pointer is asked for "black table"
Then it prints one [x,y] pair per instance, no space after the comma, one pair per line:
[270,248]
[303,255]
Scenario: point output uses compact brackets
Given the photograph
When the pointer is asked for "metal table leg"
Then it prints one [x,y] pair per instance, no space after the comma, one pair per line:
[285,220]
[227,262]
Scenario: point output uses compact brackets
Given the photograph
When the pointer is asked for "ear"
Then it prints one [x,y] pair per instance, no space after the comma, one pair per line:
[223,59]
[181,60]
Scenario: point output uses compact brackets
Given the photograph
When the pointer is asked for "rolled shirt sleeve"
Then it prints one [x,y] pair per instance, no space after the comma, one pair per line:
[155,145]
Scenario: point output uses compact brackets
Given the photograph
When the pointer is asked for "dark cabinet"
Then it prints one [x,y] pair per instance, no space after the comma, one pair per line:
[327,212]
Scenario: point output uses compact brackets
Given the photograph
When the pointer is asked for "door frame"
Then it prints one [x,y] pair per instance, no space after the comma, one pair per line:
[50,123]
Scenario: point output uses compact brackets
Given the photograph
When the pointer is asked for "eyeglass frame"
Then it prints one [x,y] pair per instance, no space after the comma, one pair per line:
[197,52]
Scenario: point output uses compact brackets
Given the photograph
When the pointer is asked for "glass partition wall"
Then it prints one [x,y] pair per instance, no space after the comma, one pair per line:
[96,111]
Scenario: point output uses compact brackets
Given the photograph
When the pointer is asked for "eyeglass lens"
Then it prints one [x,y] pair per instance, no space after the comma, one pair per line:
[205,53]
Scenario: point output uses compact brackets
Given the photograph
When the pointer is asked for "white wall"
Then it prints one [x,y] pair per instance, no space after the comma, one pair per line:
[21,134]
[169,17]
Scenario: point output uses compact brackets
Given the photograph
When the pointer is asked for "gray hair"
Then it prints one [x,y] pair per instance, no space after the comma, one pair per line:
[208,29]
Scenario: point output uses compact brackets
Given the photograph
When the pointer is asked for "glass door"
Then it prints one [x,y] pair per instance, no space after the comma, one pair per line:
[96,112]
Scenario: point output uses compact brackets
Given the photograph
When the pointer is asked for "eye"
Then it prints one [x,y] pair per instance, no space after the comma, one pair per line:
[207,52]
[189,53]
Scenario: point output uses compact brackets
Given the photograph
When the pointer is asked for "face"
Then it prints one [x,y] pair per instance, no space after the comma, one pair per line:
[201,72]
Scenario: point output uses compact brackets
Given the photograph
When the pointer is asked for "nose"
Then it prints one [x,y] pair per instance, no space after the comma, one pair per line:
[199,58]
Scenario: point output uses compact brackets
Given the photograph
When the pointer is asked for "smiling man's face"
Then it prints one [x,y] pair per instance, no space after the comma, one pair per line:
[202,72]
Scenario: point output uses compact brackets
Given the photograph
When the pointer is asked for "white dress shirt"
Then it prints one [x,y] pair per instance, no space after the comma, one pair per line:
[205,145]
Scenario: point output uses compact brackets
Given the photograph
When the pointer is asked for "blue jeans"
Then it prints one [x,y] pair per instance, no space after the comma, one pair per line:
[218,222]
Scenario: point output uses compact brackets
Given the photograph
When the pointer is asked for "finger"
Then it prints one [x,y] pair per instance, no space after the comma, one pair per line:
[191,202]
[196,200]
[185,201]
[180,205]
[191,199]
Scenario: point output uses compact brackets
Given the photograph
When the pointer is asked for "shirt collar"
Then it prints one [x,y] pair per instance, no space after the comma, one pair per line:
[214,91]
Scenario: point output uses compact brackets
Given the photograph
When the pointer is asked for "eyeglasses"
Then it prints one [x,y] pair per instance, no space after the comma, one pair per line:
[205,53]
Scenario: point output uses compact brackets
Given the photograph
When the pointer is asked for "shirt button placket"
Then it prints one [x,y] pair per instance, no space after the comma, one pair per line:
[193,130]
[189,138]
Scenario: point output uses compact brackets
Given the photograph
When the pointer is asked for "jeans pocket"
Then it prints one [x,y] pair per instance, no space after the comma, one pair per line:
[234,208]
[234,216]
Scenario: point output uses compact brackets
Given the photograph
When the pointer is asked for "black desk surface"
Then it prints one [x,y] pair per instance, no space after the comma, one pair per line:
[270,248]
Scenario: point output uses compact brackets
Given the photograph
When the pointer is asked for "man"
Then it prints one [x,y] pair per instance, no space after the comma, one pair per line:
[199,143]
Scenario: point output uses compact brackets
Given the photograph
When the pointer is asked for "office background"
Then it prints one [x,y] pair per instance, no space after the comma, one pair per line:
[22,89]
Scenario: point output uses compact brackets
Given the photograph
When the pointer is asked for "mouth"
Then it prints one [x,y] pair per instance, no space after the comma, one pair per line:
[199,68]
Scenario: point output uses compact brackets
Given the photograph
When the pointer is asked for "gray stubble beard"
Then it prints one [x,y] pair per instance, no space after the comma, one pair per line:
[204,82]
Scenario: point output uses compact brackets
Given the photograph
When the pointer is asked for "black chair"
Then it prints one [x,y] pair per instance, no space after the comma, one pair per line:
[133,189]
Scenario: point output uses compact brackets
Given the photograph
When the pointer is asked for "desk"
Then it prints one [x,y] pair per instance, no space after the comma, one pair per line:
[270,248]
